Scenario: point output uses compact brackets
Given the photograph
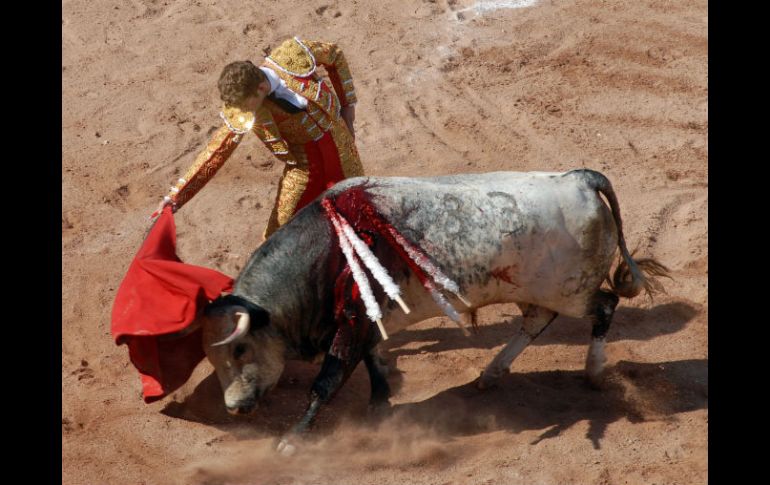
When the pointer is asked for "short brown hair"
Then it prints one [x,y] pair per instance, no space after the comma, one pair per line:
[238,81]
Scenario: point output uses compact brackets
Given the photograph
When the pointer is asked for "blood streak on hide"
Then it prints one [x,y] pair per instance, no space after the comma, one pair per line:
[502,273]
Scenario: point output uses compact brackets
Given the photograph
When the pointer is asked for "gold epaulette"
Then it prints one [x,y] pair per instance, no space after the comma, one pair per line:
[293,57]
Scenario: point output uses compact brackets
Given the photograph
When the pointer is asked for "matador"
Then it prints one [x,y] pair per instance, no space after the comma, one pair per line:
[303,121]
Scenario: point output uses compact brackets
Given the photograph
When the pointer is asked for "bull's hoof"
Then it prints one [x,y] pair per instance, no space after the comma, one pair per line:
[595,370]
[379,410]
[285,448]
[596,382]
[485,382]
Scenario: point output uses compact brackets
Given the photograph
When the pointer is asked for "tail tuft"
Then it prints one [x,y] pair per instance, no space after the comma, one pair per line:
[641,274]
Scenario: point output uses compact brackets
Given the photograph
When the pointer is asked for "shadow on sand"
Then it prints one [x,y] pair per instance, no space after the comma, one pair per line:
[553,401]
[550,400]
[628,324]
[283,406]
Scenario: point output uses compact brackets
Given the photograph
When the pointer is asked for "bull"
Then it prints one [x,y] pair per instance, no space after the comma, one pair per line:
[545,241]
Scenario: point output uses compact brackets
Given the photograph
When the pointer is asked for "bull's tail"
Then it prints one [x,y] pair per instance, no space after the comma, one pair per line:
[631,276]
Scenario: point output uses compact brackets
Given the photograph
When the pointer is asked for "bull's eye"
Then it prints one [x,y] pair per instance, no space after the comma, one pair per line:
[239,350]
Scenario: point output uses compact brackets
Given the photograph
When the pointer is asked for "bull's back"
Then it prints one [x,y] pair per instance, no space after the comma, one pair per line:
[535,237]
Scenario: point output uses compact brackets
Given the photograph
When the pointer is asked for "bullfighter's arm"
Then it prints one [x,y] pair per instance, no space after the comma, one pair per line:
[331,57]
[267,131]
[206,165]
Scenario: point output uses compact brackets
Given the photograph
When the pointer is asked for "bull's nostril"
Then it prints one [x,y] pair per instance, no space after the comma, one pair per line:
[245,409]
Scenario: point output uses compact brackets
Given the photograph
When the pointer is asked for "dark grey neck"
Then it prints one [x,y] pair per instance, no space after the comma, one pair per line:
[291,276]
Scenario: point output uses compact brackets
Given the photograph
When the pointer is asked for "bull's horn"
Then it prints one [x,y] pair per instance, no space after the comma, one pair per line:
[240,329]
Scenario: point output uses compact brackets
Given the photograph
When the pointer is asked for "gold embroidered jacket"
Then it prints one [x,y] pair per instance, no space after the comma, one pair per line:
[295,61]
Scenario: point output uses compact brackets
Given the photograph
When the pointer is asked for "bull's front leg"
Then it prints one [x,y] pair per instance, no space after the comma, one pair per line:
[377,369]
[334,372]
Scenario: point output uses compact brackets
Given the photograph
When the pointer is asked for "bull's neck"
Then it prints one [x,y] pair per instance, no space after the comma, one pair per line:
[288,275]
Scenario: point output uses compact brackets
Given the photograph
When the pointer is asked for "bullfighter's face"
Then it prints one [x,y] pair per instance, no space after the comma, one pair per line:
[253,102]
[247,367]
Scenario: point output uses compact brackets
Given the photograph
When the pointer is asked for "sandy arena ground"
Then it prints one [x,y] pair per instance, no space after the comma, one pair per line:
[444,86]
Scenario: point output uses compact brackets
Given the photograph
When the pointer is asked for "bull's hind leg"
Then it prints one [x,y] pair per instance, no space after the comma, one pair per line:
[536,319]
[601,317]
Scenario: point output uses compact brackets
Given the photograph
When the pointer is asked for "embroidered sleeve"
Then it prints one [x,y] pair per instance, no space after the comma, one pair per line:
[267,131]
[331,57]
[215,155]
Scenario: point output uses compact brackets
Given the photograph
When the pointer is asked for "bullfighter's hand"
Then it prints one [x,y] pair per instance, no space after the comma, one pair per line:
[163,203]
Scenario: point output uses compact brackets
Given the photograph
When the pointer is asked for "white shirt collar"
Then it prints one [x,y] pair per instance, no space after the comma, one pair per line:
[281,90]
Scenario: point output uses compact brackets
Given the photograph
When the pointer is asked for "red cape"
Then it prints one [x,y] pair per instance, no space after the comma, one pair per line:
[161,295]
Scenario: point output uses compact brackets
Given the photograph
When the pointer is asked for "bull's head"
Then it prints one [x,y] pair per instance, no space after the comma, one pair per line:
[246,353]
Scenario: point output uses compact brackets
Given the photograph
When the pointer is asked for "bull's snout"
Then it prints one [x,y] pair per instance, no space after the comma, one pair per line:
[242,408]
